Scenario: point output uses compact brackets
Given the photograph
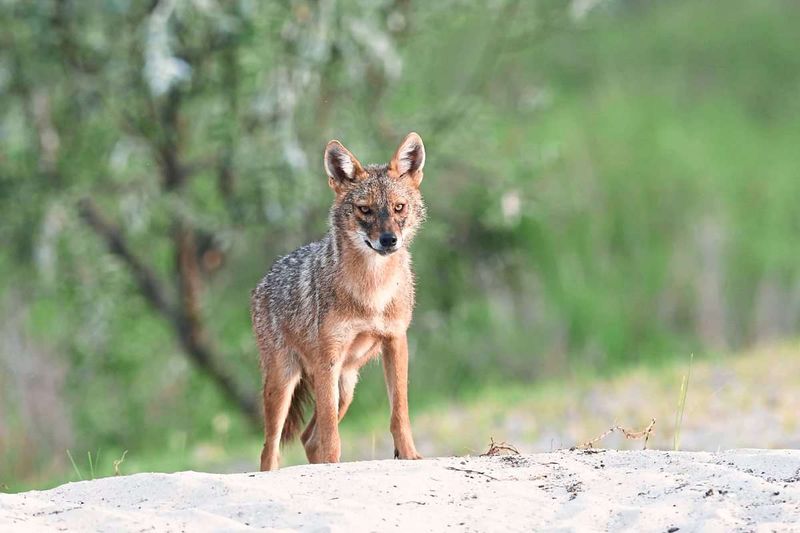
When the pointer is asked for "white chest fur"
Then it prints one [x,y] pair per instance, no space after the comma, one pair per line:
[376,291]
[378,286]
[384,293]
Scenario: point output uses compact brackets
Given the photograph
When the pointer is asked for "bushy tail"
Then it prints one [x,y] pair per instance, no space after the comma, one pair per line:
[296,417]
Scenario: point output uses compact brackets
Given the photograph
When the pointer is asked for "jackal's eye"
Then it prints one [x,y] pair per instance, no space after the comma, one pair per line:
[399,208]
[365,209]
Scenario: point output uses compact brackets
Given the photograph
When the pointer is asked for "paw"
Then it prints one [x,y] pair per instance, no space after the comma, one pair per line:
[412,455]
[312,452]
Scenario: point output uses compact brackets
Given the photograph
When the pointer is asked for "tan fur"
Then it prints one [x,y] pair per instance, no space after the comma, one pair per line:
[325,310]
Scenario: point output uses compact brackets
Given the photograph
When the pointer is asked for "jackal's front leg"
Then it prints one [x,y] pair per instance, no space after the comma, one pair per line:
[326,392]
[395,370]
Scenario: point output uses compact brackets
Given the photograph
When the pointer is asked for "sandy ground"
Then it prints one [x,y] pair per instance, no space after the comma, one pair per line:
[595,490]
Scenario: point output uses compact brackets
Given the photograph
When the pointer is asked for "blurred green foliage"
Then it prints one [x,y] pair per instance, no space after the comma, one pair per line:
[604,188]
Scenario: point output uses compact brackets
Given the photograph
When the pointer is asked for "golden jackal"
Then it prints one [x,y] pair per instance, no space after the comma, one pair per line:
[327,308]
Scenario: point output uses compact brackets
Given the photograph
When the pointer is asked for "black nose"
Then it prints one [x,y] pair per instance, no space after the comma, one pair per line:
[388,240]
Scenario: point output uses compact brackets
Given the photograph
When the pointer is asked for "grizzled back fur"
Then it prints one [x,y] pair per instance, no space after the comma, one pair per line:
[350,271]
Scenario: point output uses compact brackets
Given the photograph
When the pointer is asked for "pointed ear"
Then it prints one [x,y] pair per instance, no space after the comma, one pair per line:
[342,167]
[409,158]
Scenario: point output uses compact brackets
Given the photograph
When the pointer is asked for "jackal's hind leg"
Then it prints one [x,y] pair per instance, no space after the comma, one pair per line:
[279,385]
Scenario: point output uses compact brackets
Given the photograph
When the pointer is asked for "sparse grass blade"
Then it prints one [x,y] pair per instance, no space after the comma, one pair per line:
[92,463]
[676,441]
[74,466]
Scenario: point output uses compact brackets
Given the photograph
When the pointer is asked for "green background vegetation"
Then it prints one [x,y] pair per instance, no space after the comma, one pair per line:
[607,188]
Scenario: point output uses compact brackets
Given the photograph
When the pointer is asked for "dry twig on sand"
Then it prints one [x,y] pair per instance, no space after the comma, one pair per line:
[469,471]
[629,434]
[499,448]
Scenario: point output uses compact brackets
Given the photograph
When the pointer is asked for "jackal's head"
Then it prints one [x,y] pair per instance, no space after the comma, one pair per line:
[378,207]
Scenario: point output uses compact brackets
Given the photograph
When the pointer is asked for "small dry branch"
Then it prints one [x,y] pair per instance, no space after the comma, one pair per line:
[500,448]
[118,462]
[629,434]
[470,471]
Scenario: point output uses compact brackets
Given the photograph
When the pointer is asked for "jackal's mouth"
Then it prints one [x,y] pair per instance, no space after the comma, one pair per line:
[381,251]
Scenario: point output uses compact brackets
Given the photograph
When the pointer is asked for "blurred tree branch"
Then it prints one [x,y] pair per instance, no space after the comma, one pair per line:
[185,316]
